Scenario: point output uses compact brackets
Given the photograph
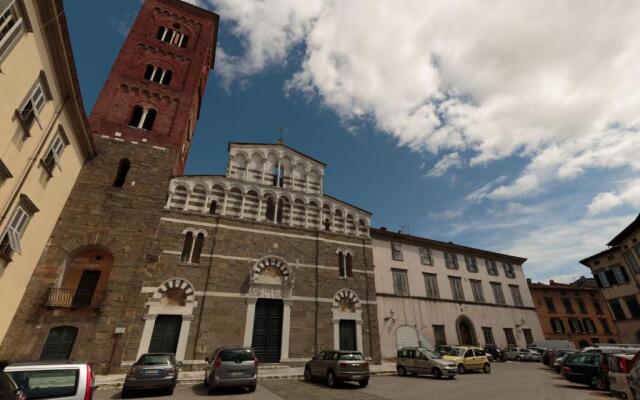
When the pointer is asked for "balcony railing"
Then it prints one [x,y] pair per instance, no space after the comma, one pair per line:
[73,298]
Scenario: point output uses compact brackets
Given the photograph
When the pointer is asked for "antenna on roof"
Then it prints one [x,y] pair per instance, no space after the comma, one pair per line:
[281,130]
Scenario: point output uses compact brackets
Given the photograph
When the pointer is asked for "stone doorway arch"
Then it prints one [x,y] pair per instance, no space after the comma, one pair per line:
[466,331]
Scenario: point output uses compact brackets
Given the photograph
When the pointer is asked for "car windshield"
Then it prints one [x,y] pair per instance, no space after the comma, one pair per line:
[350,356]
[430,354]
[236,355]
[155,359]
[456,351]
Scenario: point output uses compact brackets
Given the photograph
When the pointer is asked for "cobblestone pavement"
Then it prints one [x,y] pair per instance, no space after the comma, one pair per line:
[521,381]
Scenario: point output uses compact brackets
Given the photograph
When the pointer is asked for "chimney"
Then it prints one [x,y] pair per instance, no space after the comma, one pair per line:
[528,281]
[383,228]
[551,282]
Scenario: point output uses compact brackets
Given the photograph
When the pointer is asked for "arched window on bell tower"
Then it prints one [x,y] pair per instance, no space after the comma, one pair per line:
[142,117]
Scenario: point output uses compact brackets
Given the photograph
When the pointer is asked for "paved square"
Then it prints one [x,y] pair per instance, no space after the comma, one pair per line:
[521,381]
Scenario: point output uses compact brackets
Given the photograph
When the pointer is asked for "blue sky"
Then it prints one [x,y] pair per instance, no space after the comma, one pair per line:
[445,120]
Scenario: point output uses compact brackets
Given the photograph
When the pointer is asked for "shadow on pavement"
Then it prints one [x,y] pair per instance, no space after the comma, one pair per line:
[201,390]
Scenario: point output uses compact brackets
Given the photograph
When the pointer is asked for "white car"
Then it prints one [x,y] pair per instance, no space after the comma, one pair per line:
[62,380]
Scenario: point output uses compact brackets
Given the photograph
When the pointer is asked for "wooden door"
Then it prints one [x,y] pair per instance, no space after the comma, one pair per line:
[59,343]
[348,335]
[166,333]
[267,330]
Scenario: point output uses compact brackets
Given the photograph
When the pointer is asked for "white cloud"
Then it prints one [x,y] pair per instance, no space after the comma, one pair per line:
[550,81]
[451,160]
[628,193]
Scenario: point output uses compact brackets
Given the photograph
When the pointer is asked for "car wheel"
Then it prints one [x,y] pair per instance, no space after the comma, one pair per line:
[170,391]
[331,380]
[461,369]
[487,368]
[211,389]
[307,374]
[436,373]
[252,388]
[125,393]
[401,370]
[517,358]
[364,383]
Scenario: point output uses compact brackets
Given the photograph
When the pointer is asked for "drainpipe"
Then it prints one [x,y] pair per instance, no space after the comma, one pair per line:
[366,283]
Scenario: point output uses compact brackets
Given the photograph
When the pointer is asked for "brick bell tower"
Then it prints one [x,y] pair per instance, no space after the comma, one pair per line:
[87,284]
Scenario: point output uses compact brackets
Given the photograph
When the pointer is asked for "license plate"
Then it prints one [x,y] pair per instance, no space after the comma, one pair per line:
[236,373]
[356,376]
[151,371]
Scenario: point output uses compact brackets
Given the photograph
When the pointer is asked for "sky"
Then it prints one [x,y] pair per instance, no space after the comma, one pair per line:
[504,125]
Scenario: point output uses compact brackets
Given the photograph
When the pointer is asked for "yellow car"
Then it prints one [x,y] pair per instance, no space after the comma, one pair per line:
[469,358]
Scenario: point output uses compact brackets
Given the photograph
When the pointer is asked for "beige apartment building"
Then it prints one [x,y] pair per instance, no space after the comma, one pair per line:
[44,138]
[430,292]
[617,273]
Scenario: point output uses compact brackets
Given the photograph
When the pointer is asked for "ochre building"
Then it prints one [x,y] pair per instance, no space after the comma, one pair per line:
[576,312]
[44,138]
[616,270]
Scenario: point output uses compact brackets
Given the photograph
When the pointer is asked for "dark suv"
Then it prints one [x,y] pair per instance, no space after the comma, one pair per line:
[338,366]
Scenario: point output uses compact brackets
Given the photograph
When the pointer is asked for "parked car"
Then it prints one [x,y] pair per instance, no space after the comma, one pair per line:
[495,353]
[152,371]
[516,354]
[65,380]
[534,355]
[469,358]
[558,363]
[634,378]
[606,352]
[584,368]
[9,390]
[619,367]
[337,366]
[231,367]
[444,349]
[418,360]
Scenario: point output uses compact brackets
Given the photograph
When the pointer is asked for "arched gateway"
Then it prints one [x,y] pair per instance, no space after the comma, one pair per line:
[269,309]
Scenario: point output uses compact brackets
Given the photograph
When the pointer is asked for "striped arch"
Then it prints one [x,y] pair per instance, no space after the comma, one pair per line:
[346,297]
[272,261]
[183,284]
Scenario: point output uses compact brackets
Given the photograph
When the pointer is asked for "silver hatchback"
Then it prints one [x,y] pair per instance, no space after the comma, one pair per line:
[152,371]
[231,367]
[338,366]
[62,380]
[418,360]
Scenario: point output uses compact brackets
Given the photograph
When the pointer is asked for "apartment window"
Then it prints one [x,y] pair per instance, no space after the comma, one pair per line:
[472,265]
[508,334]
[589,326]
[476,289]
[488,335]
[567,305]
[498,294]
[142,118]
[396,251]
[515,294]
[456,287]
[557,325]
[157,74]
[581,306]
[12,26]
[450,260]
[633,306]
[431,285]
[492,268]
[509,272]
[601,279]
[52,156]
[621,274]
[637,249]
[191,248]
[439,335]
[172,36]
[575,325]
[31,107]
[400,282]
[551,306]
[605,325]
[10,241]
[425,256]
[597,306]
[528,336]
[4,172]
[631,262]
[616,308]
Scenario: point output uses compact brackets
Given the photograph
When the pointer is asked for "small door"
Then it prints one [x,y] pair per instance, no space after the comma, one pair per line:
[166,333]
[348,335]
[86,288]
[59,343]
[267,330]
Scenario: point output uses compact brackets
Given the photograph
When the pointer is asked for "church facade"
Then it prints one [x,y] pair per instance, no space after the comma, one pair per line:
[144,258]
